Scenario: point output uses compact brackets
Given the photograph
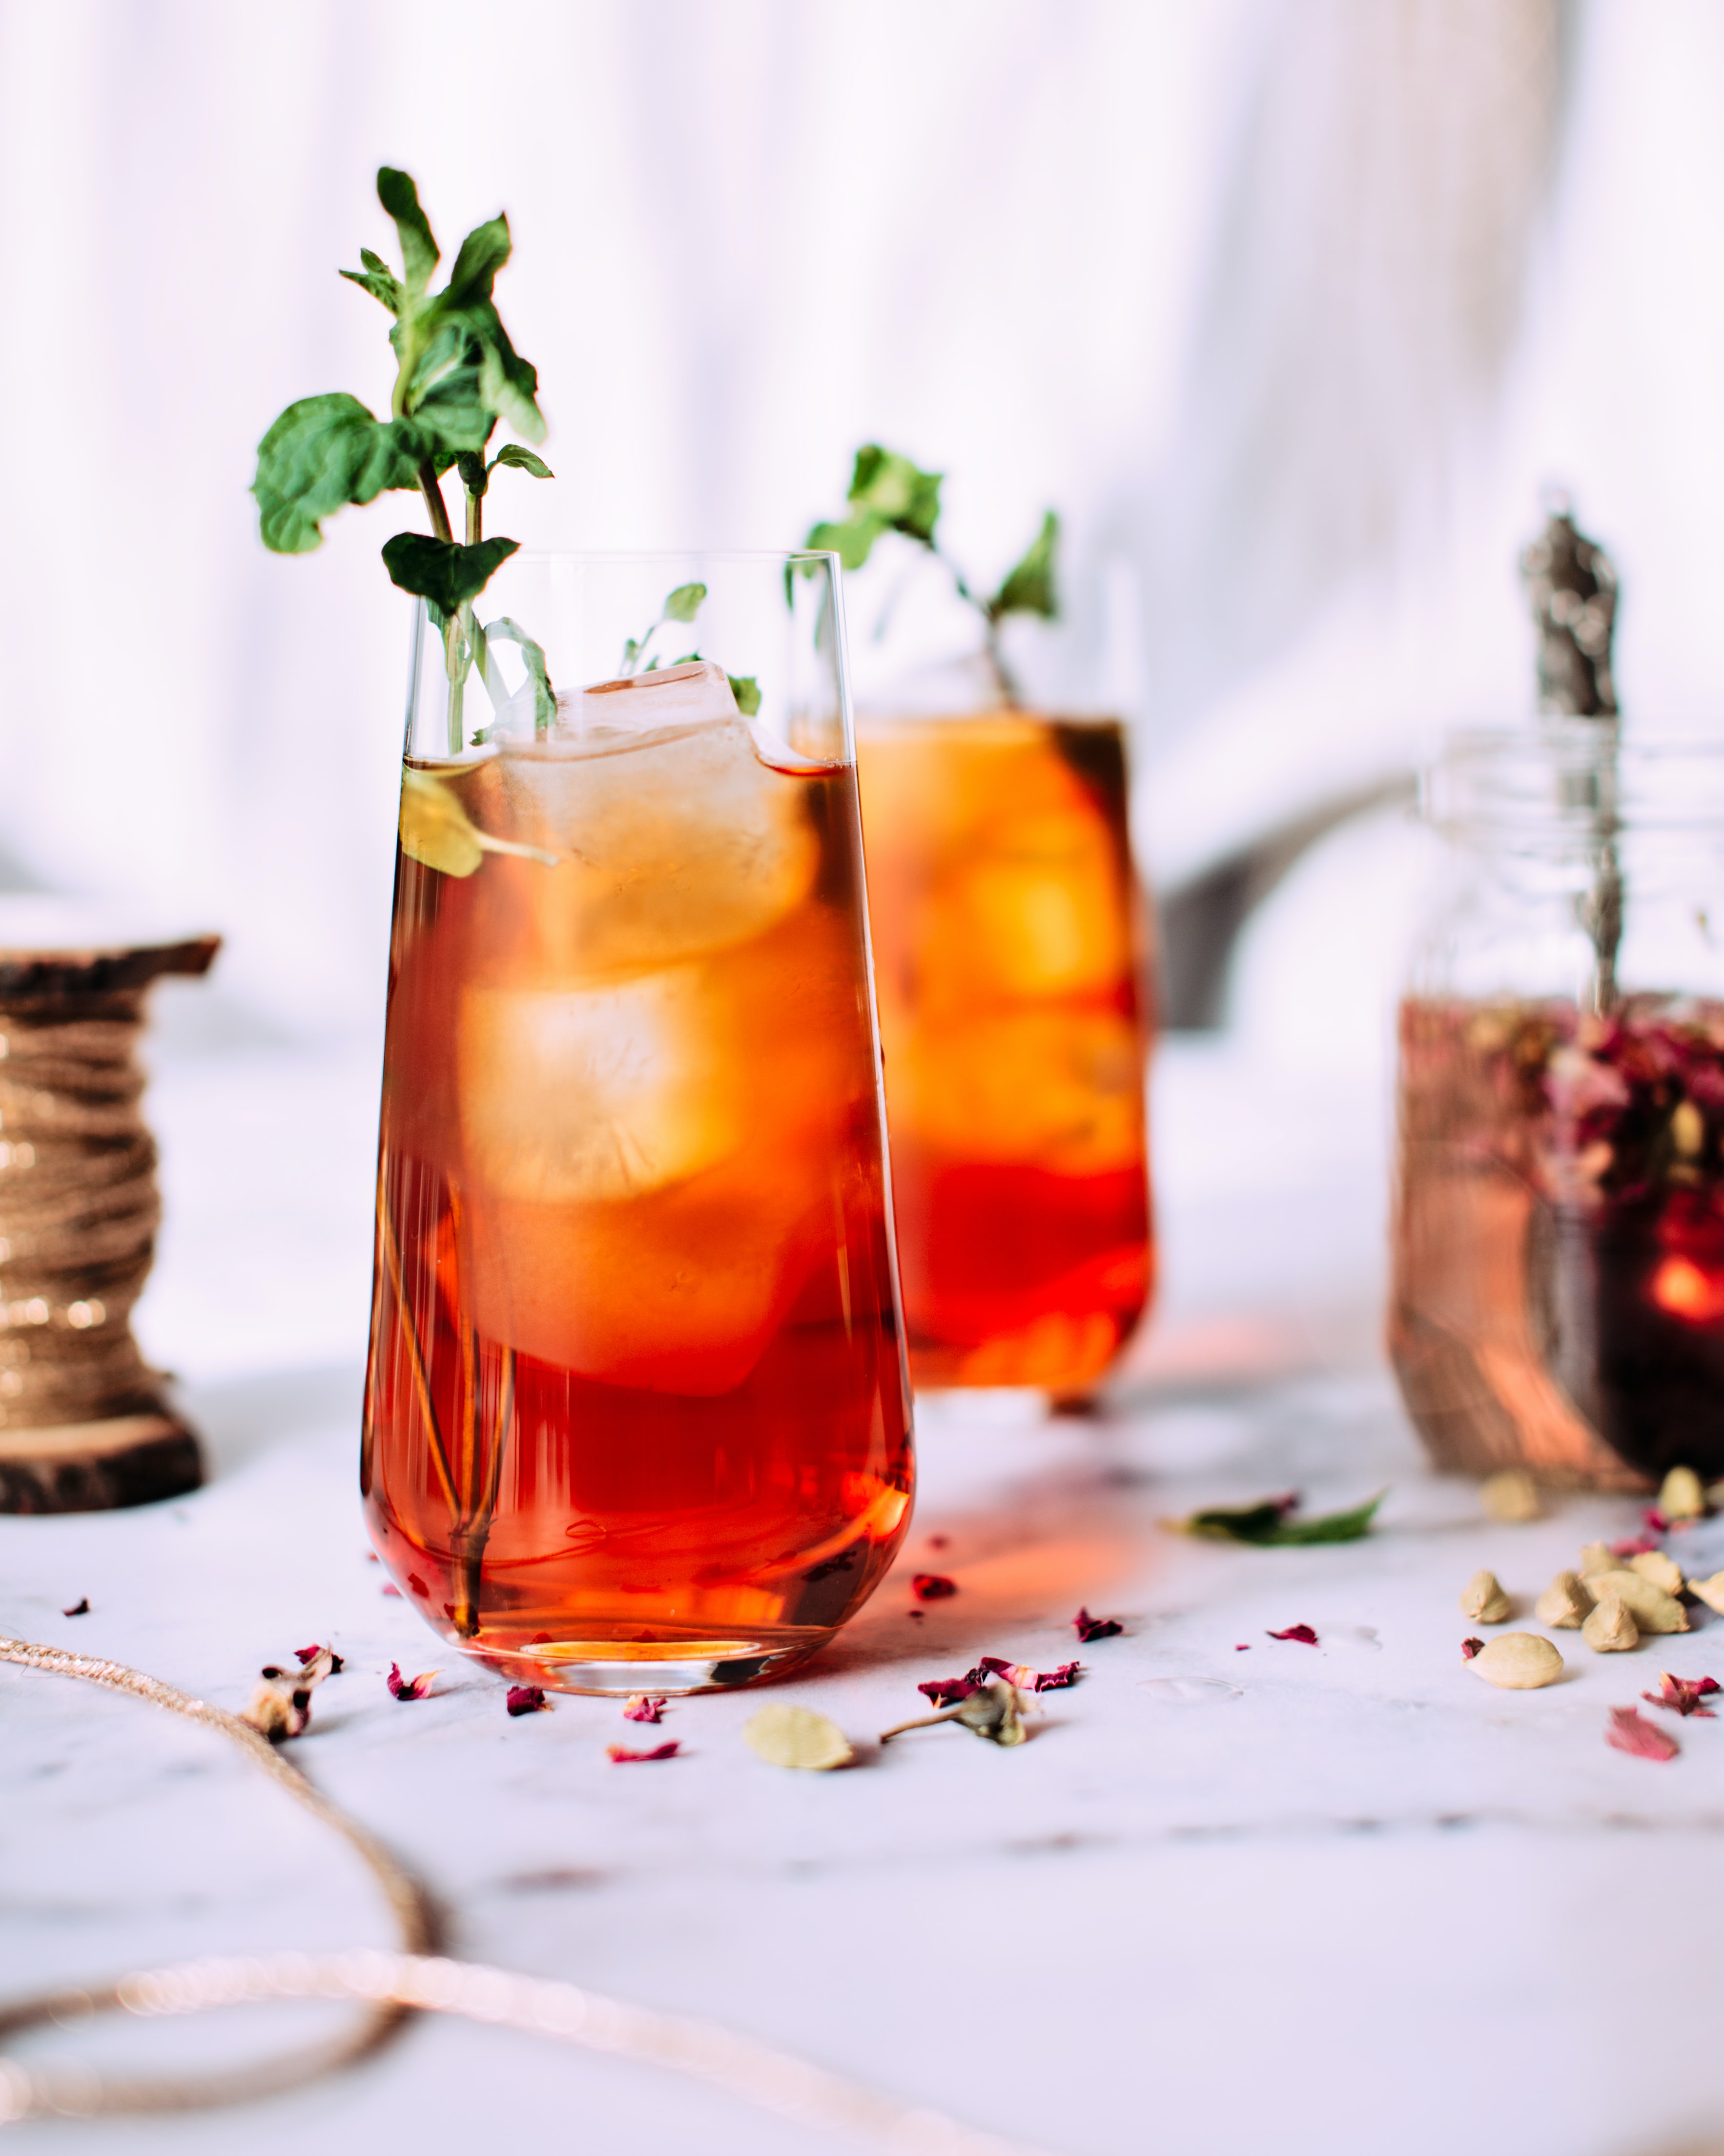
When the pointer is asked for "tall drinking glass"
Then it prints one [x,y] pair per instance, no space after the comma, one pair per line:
[1010,940]
[637,1416]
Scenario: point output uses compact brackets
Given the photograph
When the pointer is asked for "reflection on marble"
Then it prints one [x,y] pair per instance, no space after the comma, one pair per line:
[1235,1893]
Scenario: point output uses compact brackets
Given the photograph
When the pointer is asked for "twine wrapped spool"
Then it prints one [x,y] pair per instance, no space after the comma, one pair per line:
[83,1422]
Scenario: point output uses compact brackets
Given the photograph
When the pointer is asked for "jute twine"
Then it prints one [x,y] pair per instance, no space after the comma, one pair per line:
[389,1985]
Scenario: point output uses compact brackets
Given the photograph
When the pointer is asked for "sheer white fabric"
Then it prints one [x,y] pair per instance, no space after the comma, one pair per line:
[1289,305]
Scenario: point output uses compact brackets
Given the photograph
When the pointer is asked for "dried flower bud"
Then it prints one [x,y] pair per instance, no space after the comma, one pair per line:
[644,1706]
[1709,1591]
[1483,1600]
[995,1712]
[1598,1558]
[1511,1495]
[786,1736]
[1518,1662]
[1681,1495]
[1664,1572]
[1611,1629]
[276,1714]
[1564,1603]
[1651,1608]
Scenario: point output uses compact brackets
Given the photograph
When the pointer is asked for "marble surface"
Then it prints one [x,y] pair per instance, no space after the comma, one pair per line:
[1333,1899]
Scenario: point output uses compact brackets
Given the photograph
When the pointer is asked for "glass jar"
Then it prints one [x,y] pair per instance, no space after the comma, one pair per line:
[1558,1296]
[637,1416]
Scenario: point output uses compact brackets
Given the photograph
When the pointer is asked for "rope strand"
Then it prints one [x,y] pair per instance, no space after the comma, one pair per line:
[392,1985]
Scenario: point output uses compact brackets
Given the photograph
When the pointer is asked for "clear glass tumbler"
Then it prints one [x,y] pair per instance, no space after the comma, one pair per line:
[637,1415]
[1011,951]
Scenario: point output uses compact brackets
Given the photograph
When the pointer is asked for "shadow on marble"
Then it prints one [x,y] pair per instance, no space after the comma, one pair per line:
[238,1421]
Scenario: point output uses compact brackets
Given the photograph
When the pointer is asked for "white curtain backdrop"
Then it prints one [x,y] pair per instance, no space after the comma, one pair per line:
[1289,306]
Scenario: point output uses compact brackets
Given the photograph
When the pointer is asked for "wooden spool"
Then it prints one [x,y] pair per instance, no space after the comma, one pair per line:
[83,1425]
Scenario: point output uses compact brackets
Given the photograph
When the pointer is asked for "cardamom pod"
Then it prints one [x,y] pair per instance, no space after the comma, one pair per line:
[1611,1629]
[1483,1600]
[1710,1591]
[1518,1662]
[1598,1557]
[1565,1603]
[1651,1608]
[1681,1495]
[786,1736]
[1662,1571]
[1510,1495]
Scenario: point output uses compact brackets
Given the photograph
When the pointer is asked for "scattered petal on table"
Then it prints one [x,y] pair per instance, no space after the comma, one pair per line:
[1631,1732]
[621,1755]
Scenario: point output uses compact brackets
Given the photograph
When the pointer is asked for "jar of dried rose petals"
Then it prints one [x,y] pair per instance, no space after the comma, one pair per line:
[1558,1297]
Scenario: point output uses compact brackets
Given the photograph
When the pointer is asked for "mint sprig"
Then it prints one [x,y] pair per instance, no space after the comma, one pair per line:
[682,605]
[889,493]
[457,375]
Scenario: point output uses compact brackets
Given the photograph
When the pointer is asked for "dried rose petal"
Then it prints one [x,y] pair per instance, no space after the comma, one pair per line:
[1631,1732]
[1682,1696]
[1638,1545]
[947,1691]
[305,1654]
[621,1755]
[524,1699]
[939,1542]
[401,1687]
[1302,1633]
[642,1706]
[390,1588]
[78,1609]
[1089,1627]
[932,1586]
[1654,1521]
[1025,1678]
[1244,1647]
[1468,1648]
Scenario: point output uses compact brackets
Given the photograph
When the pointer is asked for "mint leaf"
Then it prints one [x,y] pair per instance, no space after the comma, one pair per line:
[442,571]
[1267,1525]
[419,251]
[503,630]
[508,383]
[484,252]
[896,492]
[852,541]
[321,453]
[520,460]
[377,279]
[746,690]
[1029,588]
[684,603]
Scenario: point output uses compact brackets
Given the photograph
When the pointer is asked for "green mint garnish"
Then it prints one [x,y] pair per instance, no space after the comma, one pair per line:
[889,493]
[457,375]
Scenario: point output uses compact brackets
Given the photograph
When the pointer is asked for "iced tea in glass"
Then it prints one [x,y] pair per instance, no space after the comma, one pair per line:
[637,1416]
[1010,970]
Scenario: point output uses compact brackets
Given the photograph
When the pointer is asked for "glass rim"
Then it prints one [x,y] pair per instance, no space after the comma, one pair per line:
[777,557]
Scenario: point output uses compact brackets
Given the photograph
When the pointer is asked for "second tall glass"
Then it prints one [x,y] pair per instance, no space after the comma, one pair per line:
[637,1416]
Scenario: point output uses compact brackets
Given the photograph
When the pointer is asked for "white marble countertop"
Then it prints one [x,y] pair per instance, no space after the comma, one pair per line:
[1339,1899]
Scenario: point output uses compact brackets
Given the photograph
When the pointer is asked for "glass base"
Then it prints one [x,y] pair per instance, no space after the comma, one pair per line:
[669,1669]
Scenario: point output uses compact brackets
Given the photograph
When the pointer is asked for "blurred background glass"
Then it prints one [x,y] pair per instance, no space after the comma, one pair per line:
[1291,306]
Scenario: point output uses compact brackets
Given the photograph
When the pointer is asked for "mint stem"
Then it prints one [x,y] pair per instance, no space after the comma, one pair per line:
[1003,676]
[432,490]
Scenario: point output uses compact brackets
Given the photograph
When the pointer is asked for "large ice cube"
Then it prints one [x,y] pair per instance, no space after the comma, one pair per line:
[689,695]
[674,839]
[575,1096]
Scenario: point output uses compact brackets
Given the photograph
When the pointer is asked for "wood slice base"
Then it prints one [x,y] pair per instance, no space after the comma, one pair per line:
[98,1466]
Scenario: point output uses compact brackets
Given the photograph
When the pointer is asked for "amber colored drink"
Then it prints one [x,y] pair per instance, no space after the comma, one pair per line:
[636,1414]
[1010,969]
